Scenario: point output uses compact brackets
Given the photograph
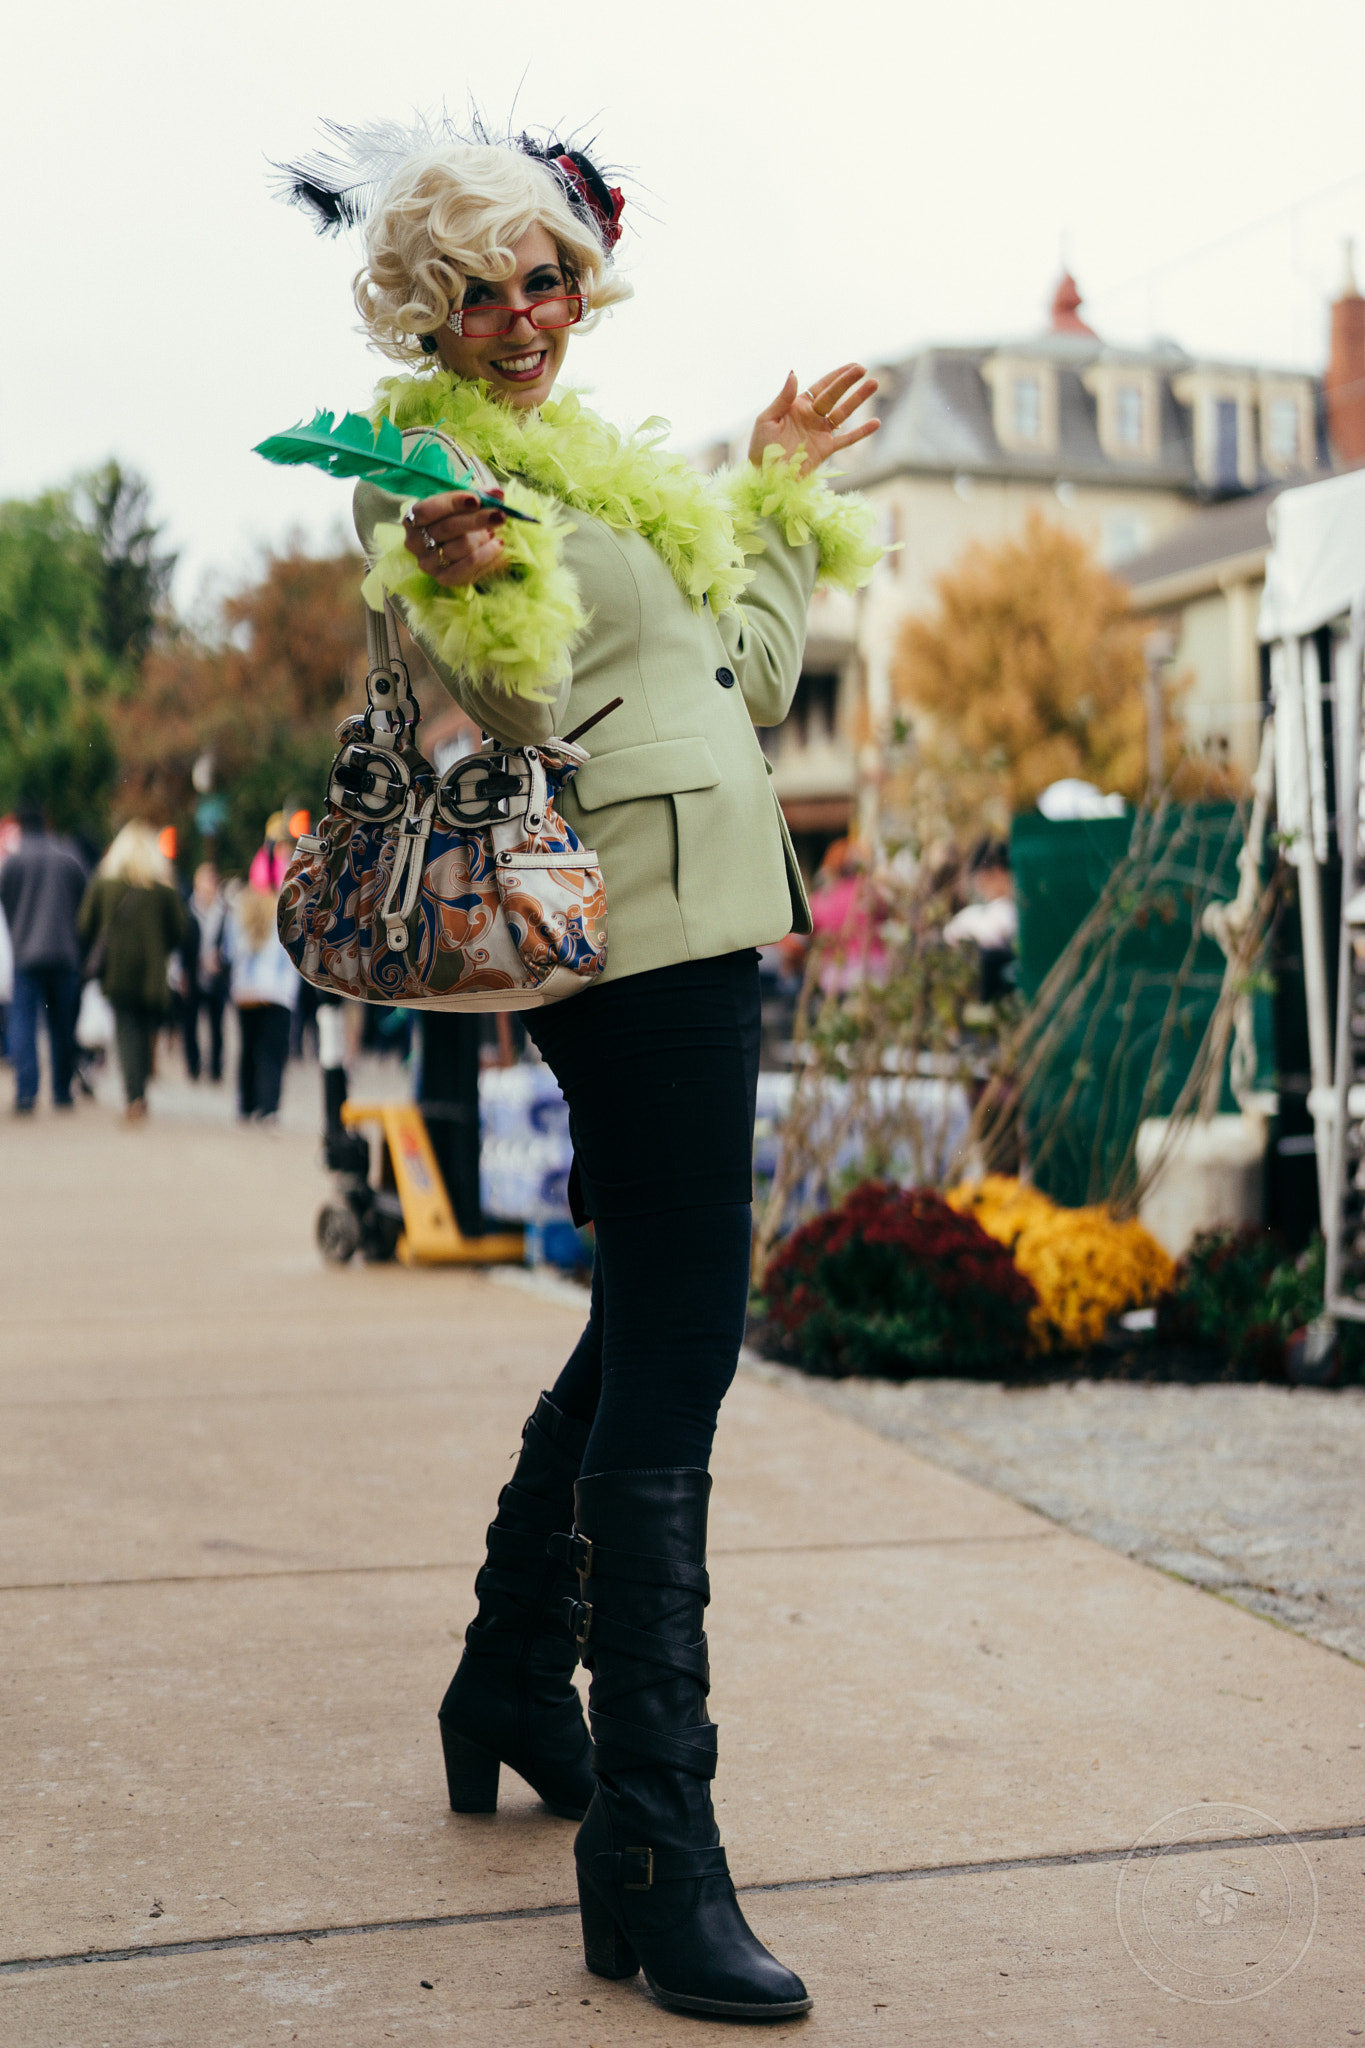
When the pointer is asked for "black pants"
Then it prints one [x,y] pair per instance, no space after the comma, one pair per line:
[135,1029]
[265,1052]
[56,991]
[448,1090]
[660,1071]
[206,1002]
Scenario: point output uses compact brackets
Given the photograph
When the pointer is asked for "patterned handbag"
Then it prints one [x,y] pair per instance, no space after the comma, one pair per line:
[461,891]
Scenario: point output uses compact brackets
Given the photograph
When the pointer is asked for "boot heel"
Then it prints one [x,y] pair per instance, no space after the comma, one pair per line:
[606,1951]
[471,1774]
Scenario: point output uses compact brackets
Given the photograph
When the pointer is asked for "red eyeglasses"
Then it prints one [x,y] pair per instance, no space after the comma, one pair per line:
[544,314]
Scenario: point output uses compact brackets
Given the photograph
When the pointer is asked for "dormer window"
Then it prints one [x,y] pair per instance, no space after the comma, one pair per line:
[1224,432]
[1023,403]
[1286,425]
[1128,416]
[1127,409]
[1222,405]
[1282,430]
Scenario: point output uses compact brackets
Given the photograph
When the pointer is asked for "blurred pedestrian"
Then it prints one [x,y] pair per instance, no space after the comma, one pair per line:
[271,861]
[265,989]
[6,984]
[990,921]
[206,988]
[41,886]
[846,910]
[9,839]
[132,920]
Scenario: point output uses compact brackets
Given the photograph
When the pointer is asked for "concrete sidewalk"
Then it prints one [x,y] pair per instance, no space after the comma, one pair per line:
[243,1498]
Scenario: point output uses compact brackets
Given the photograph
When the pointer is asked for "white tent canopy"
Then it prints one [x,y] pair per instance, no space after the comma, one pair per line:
[1316,567]
[1315,573]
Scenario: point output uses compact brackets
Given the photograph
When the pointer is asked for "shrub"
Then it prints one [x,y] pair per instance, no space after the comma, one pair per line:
[894,1283]
[1220,1297]
[1243,1294]
[1086,1267]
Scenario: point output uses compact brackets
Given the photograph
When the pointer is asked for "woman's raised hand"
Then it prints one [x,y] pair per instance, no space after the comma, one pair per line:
[455,538]
[811,419]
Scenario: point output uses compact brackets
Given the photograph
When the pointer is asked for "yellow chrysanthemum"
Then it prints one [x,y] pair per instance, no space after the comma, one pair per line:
[1086,1266]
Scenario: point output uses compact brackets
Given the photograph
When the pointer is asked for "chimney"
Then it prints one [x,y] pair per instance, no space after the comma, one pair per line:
[1066,303]
[1344,382]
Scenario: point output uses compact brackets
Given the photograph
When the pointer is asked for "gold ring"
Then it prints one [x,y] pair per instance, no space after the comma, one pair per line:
[441,556]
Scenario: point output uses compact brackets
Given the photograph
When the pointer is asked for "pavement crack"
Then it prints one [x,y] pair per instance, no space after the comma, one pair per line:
[471,1564]
[17,1966]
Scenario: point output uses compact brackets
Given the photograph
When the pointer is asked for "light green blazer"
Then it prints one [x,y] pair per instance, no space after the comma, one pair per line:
[676,799]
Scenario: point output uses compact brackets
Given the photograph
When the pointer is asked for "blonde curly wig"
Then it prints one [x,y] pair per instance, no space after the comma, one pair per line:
[455,212]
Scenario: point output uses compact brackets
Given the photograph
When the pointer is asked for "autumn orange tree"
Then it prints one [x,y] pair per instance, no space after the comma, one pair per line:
[1030,668]
[259,698]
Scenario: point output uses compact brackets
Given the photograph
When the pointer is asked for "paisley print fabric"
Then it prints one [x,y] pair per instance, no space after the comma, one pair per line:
[498,923]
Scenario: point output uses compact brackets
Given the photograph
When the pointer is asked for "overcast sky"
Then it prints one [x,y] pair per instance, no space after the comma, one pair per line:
[808,184]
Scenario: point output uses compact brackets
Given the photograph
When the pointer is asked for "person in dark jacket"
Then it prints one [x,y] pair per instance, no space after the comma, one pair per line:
[206,974]
[133,919]
[41,886]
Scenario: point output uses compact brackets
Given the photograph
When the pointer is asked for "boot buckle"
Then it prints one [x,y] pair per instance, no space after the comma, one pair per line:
[578,1614]
[645,1883]
[573,1550]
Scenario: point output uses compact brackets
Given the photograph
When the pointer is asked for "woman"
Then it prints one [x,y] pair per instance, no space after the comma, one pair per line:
[207,988]
[264,988]
[270,862]
[480,261]
[130,922]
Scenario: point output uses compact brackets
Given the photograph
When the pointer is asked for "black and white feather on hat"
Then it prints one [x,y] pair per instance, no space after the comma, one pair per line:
[339,183]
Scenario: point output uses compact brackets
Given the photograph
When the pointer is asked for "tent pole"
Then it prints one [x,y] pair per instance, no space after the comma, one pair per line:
[1348,834]
[1304,857]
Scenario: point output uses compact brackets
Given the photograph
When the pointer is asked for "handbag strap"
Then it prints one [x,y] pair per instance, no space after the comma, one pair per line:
[93,967]
[392,713]
[411,835]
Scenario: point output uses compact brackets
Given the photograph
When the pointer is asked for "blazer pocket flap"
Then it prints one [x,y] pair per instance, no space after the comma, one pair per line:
[663,768]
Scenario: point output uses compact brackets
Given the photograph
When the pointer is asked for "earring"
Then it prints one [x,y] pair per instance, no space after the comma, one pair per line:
[428,342]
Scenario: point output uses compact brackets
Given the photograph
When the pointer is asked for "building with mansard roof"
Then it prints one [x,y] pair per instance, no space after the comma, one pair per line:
[1123,446]
[1202,585]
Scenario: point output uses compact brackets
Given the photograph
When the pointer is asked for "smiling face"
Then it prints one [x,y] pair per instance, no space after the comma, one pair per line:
[519,367]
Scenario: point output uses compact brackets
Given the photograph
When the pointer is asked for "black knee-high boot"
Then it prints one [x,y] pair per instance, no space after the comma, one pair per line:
[512,1700]
[653,1882]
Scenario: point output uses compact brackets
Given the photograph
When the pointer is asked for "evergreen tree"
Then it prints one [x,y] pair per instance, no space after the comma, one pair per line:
[134,579]
[82,589]
[55,673]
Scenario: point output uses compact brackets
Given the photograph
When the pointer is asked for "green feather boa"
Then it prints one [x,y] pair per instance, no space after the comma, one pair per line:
[517,630]
[805,509]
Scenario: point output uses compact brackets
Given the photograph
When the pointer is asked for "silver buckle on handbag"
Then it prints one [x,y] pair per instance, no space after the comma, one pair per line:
[368,782]
[479,790]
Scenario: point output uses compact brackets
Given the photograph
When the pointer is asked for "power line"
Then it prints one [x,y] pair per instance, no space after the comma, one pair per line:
[1253,227]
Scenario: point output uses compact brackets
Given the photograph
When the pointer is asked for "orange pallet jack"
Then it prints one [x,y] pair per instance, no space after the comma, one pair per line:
[409,1217]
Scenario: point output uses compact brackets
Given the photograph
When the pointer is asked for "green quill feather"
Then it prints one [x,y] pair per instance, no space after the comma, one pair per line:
[356,447]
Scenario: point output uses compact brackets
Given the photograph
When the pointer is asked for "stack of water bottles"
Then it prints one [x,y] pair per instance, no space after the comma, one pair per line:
[525,1160]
